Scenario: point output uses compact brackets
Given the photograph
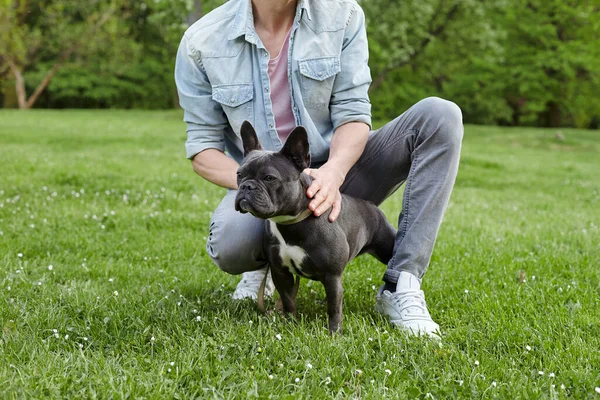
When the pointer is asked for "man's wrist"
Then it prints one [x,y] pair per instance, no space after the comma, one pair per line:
[338,168]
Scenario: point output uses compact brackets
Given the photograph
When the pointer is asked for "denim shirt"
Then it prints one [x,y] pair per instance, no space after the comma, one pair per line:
[222,79]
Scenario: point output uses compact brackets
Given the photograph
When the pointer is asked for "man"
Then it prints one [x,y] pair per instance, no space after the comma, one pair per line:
[282,63]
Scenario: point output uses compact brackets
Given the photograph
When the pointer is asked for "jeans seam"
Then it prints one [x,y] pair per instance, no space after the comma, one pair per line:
[405,205]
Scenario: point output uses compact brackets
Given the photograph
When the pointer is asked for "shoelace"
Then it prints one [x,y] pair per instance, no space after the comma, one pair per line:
[412,301]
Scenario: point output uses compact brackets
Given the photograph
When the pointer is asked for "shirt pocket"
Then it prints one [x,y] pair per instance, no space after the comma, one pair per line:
[317,76]
[236,101]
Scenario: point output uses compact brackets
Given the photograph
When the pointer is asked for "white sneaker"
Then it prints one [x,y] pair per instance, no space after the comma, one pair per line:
[250,283]
[407,310]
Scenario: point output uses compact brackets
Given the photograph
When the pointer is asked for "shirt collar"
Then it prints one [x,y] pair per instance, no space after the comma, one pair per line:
[243,24]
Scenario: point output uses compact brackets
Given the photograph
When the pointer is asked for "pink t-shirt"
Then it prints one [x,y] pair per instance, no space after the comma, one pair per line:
[280,92]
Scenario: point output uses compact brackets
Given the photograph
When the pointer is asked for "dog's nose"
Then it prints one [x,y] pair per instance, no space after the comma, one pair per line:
[248,186]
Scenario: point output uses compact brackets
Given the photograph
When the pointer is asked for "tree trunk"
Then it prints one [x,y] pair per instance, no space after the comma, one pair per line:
[553,116]
[43,85]
[19,85]
[195,13]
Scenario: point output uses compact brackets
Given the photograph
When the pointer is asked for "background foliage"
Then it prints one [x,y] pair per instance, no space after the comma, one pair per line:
[510,62]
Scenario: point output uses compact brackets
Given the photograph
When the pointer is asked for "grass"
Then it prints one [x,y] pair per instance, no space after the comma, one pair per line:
[133,308]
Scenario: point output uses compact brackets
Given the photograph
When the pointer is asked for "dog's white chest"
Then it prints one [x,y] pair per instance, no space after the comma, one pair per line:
[291,256]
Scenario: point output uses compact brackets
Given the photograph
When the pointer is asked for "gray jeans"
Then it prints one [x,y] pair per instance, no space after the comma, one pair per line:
[420,147]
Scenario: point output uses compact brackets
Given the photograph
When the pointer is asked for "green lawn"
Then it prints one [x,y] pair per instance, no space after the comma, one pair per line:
[106,290]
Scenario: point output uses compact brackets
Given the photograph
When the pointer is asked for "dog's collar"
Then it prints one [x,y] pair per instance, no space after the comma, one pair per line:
[291,219]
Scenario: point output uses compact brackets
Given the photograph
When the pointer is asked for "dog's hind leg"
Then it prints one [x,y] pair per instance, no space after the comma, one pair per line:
[382,244]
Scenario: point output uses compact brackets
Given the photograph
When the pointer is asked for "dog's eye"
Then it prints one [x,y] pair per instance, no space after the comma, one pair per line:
[239,175]
[269,178]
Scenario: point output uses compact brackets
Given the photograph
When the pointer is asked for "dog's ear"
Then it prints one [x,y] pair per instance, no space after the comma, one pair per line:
[249,138]
[296,148]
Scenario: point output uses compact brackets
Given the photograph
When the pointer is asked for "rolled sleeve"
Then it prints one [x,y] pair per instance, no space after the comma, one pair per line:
[206,122]
[350,97]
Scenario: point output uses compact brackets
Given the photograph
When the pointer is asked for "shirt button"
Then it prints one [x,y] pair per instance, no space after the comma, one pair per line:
[265,53]
[266,89]
[320,73]
[232,100]
[271,126]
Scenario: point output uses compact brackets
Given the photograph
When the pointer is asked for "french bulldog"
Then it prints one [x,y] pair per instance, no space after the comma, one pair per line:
[272,186]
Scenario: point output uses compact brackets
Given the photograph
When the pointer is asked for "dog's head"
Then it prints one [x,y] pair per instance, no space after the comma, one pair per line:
[271,183]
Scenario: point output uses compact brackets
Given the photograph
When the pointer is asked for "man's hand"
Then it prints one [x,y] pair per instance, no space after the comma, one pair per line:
[325,190]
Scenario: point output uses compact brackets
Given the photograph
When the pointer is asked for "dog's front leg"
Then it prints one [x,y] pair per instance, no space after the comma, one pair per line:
[333,291]
[284,283]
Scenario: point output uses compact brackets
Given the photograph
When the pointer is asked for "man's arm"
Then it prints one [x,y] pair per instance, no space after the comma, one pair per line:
[214,166]
[206,122]
[351,117]
[347,145]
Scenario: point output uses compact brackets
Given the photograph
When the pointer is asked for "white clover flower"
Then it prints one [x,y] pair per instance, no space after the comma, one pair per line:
[54,330]
[358,372]
[110,279]
[309,366]
[172,363]
[476,363]
[562,386]
[85,339]
[116,293]
[387,371]
[66,337]
[278,336]
[466,291]
[50,267]
[169,370]
[460,383]
[270,376]
[152,339]
[80,345]
[494,384]
[297,380]
[597,390]
[551,375]
[528,348]
[20,255]
[198,318]
[540,373]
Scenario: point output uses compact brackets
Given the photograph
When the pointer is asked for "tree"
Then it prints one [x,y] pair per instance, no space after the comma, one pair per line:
[552,61]
[49,33]
[420,48]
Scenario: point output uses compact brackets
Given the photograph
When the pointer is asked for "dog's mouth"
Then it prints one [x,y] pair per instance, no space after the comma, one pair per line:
[252,206]
[243,206]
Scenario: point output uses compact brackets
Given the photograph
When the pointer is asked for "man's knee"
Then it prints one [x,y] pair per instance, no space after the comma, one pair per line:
[447,117]
[233,246]
[219,250]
